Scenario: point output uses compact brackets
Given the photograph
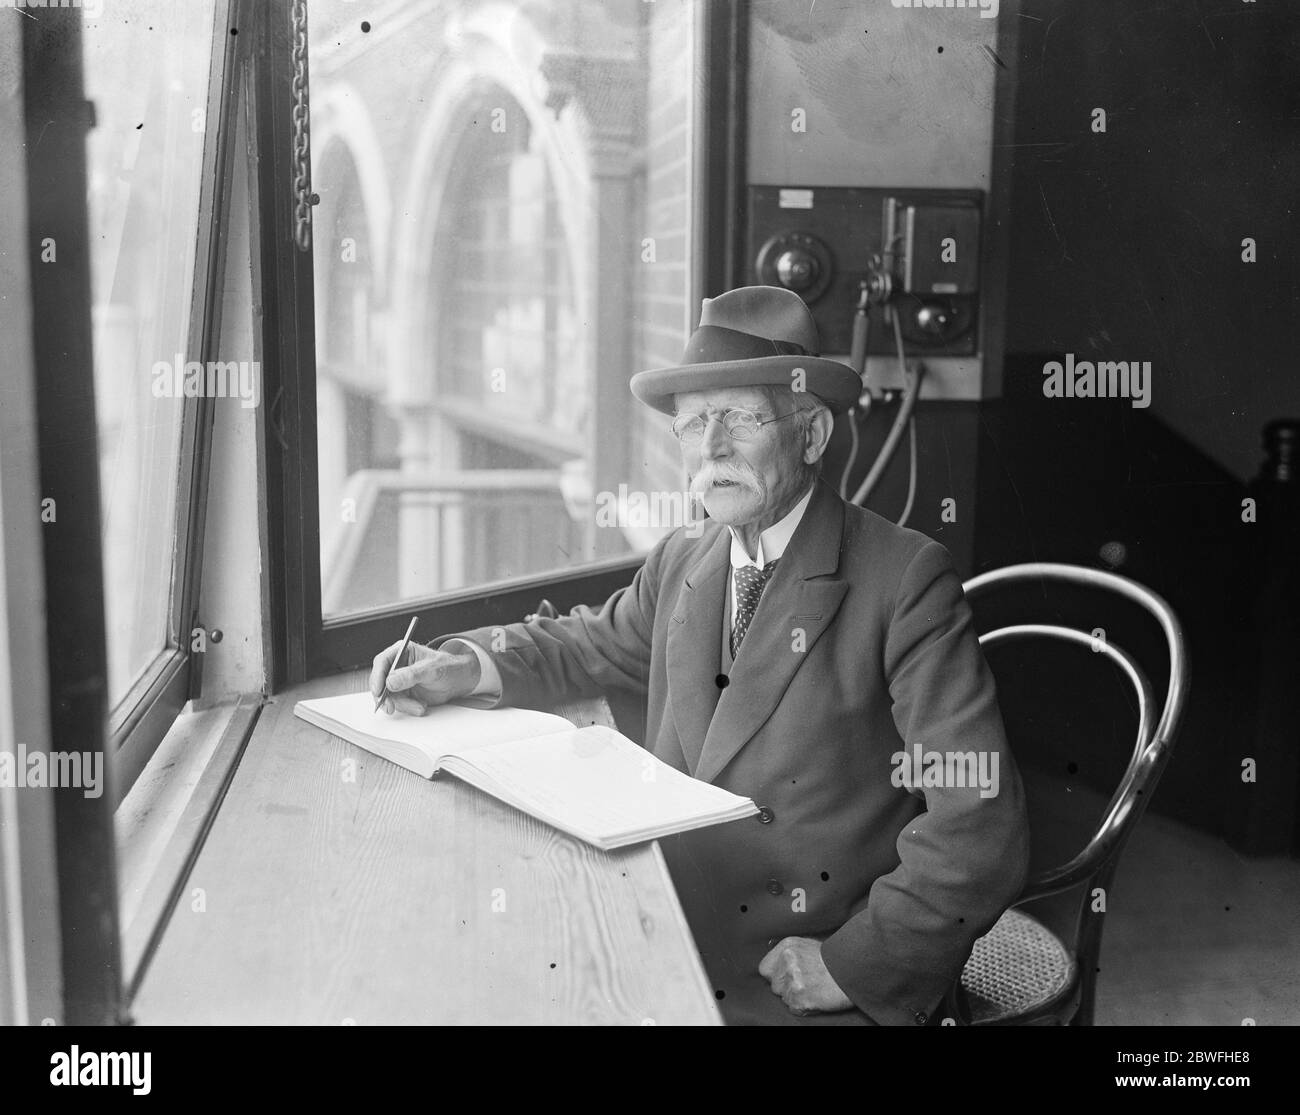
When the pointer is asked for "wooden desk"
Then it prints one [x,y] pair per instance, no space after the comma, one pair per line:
[391,899]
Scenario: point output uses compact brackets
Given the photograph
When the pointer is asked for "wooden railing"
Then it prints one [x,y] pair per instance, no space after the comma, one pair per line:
[413,534]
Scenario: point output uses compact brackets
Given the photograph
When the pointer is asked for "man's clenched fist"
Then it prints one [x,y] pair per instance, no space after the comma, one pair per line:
[797,973]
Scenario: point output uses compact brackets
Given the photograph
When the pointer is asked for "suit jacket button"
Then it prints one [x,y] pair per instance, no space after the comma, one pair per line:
[774,887]
[766,816]
[921,1018]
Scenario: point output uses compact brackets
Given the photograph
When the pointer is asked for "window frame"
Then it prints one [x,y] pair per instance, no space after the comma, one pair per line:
[721,153]
[304,644]
[56,119]
[138,723]
[58,116]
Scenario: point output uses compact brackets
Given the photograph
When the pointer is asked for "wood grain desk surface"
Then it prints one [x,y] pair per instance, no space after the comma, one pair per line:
[385,898]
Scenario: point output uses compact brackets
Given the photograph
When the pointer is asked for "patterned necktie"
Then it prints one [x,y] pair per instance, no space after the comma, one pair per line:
[750,581]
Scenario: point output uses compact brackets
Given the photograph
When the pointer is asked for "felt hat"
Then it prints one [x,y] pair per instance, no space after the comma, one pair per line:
[747,337]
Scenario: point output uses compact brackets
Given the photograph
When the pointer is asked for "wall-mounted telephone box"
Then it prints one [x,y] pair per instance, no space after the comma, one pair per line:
[936,246]
[824,241]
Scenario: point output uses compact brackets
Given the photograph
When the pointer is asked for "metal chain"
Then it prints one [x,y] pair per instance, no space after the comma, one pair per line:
[301,131]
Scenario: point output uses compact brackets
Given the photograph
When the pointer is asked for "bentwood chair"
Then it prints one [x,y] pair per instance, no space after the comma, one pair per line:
[1021,972]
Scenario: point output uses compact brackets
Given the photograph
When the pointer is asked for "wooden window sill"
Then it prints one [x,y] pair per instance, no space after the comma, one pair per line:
[161,823]
[337,888]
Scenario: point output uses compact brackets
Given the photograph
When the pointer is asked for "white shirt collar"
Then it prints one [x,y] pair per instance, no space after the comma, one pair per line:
[773,541]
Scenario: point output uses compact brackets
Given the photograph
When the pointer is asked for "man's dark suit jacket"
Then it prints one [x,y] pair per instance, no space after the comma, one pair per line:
[862,645]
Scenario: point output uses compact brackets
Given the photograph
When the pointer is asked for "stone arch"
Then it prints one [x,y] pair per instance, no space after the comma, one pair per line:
[347,160]
[497,50]
[340,119]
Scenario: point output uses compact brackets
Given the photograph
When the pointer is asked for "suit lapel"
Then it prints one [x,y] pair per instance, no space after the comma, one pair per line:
[798,604]
[695,646]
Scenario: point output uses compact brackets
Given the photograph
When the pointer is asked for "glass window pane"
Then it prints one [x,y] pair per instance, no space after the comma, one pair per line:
[146,71]
[501,242]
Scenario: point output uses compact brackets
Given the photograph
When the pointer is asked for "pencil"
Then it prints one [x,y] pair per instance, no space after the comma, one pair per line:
[401,651]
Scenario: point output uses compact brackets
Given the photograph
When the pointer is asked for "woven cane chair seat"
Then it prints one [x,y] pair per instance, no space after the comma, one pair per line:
[1017,967]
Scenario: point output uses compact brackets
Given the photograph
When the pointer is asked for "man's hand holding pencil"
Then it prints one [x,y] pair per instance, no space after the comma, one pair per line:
[427,678]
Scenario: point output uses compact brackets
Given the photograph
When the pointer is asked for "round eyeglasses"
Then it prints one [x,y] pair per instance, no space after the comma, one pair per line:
[741,425]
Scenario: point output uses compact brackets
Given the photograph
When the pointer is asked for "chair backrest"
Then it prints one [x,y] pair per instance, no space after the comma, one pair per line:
[1095,864]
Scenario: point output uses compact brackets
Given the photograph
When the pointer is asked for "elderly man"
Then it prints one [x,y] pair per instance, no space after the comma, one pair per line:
[808,654]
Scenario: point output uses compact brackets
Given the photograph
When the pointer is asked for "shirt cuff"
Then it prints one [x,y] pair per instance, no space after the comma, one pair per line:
[487,693]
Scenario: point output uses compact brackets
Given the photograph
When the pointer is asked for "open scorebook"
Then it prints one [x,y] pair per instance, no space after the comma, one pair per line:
[592,783]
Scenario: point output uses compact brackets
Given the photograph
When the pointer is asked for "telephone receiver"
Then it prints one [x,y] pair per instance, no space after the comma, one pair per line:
[919,261]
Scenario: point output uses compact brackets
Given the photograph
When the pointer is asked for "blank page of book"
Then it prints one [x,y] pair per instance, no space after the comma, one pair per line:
[601,781]
[442,729]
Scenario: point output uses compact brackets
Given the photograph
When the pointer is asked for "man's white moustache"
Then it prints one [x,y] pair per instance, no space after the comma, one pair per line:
[703,481]
[711,473]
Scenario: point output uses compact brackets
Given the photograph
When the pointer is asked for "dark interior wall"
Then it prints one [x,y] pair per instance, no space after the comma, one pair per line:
[1059,480]
[1128,244]
[1123,245]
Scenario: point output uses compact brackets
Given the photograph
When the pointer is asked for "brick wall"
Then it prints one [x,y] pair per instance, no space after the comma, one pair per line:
[663,286]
